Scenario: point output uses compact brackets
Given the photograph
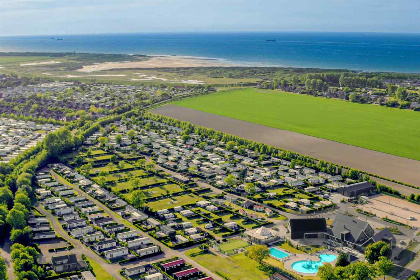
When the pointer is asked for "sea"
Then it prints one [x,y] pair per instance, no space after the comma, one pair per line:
[355,51]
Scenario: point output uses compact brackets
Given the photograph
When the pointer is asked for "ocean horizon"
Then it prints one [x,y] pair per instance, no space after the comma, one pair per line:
[388,52]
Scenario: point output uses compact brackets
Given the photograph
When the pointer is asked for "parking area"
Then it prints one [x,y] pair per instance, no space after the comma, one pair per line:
[384,206]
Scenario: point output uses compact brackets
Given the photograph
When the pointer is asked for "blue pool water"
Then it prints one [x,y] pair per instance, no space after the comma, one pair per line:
[359,51]
[279,254]
[311,266]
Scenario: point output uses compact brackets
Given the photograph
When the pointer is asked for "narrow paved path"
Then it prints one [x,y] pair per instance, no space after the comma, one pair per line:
[79,247]
[411,267]
[168,253]
[5,254]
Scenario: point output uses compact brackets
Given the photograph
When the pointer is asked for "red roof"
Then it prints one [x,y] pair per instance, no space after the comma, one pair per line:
[206,278]
[173,263]
[186,272]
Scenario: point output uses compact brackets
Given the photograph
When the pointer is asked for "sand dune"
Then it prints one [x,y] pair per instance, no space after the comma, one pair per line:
[156,62]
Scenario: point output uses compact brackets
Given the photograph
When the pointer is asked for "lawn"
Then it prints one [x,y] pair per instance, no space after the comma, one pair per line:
[169,203]
[233,244]
[99,272]
[237,267]
[143,182]
[387,130]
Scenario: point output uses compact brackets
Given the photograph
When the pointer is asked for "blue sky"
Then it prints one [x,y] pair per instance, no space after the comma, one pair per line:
[36,17]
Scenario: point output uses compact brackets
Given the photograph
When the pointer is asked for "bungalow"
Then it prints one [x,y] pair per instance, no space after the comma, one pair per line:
[154,276]
[125,235]
[203,203]
[134,270]
[79,232]
[187,213]
[97,236]
[116,253]
[231,225]
[212,208]
[258,208]
[71,224]
[152,222]
[66,263]
[180,238]
[115,228]
[186,225]
[148,251]
[173,264]
[138,242]
[105,244]
[44,235]
[188,273]
[269,212]
[196,237]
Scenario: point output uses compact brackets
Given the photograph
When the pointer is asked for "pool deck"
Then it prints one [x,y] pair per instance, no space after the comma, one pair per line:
[288,261]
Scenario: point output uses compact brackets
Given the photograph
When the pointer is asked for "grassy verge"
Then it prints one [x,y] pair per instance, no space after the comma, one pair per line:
[100,273]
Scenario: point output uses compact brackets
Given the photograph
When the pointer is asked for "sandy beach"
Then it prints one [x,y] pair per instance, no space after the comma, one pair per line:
[157,62]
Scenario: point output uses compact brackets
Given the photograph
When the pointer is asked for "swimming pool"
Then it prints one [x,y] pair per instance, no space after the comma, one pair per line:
[278,254]
[309,266]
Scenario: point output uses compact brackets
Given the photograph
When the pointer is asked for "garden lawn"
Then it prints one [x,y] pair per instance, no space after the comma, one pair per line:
[99,272]
[237,267]
[143,182]
[169,203]
[233,244]
[387,130]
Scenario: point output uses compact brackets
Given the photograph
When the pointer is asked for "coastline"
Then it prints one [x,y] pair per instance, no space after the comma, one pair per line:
[165,61]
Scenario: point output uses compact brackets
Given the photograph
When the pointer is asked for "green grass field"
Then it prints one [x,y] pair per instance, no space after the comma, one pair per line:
[99,272]
[237,267]
[387,130]
[233,244]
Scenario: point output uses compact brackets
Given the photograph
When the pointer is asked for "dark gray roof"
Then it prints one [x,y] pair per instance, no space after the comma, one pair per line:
[344,223]
[384,234]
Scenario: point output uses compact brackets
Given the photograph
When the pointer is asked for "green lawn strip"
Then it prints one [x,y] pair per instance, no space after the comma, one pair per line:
[387,130]
[238,267]
[99,272]
[143,182]
[172,202]
[233,244]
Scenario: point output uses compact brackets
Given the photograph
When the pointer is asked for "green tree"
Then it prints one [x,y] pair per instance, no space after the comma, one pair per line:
[16,219]
[22,197]
[118,138]
[103,140]
[138,199]
[6,195]
[3,269]
[258,253]
[131,134]
[342,260]
[86,168]
[250,188]
[230,145]
[384,266]
[376,250]
[230,180]
[326,272]
[401,93]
